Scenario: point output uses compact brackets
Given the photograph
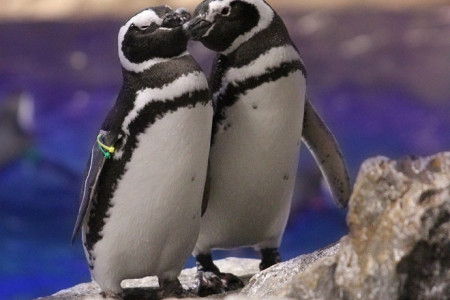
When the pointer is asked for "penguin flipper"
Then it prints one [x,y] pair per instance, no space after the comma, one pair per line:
[325,150]
[94,167]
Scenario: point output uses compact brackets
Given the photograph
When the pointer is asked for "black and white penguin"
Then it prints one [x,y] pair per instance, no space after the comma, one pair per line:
[258,83]
[16,125]
[142,195]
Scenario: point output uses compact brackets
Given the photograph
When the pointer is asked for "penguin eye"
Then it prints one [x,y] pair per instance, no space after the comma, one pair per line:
[225,11]
[147,28]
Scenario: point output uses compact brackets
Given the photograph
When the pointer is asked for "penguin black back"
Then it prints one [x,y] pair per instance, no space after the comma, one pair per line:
[141,198]
[151,57]
[258,84]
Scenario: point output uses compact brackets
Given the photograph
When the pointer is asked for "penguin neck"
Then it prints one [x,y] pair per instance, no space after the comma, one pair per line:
[134,80]
[145,65]
[275,35]
[159,73]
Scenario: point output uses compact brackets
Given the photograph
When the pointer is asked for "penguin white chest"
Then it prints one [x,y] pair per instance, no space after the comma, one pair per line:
[155,210]
[253,161]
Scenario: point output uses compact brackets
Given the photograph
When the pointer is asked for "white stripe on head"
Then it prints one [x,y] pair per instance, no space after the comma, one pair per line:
[266,15]
[144,18]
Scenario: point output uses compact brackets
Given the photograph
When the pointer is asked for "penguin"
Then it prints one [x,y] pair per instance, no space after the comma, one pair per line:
[141,197]
[258,86]
[16,125]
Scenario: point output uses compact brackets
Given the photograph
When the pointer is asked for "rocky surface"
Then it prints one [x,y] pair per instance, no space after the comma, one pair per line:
[262,286]
[269,282]
[398,246]
[147,288]
[399,243]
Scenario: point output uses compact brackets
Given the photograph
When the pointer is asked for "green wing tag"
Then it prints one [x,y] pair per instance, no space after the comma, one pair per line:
[106,150]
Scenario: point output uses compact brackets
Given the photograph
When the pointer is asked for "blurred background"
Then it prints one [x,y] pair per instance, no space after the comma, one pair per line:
[379,74]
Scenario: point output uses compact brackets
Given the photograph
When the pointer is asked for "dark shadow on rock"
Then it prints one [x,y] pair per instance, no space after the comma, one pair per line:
[424,272]
[141,294]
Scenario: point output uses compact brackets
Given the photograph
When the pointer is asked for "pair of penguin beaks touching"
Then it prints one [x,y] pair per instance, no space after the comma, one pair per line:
[182,165]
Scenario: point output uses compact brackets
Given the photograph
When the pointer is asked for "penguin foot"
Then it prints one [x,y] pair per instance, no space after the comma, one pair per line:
[208,283]
[178,295]
[111,295]
[209,279]
[172,289]
[231,282]
[269,257]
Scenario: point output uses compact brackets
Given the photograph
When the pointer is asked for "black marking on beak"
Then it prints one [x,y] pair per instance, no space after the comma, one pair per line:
[184,14]
[197,28]
[176,18]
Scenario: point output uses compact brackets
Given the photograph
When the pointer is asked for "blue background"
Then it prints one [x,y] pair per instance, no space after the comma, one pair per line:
[379,79]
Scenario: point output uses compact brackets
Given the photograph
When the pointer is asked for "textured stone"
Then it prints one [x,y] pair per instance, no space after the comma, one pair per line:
[398,246]
[242,297]
[270,281]
[399,242]
[147,288]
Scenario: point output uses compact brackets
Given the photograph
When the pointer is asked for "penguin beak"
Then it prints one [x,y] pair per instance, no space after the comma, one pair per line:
[197,28]
[184,14]
[176,18]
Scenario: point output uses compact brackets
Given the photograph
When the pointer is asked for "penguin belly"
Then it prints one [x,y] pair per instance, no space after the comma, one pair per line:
[253,164]
[154,218]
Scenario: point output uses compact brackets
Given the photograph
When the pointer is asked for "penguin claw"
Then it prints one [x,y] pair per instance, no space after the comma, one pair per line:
[174,294]
[209,283]
[171,289]
[111,295]
[231,282]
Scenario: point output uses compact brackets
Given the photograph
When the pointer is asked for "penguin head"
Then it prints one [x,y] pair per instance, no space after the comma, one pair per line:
[224,25]
[154,34]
